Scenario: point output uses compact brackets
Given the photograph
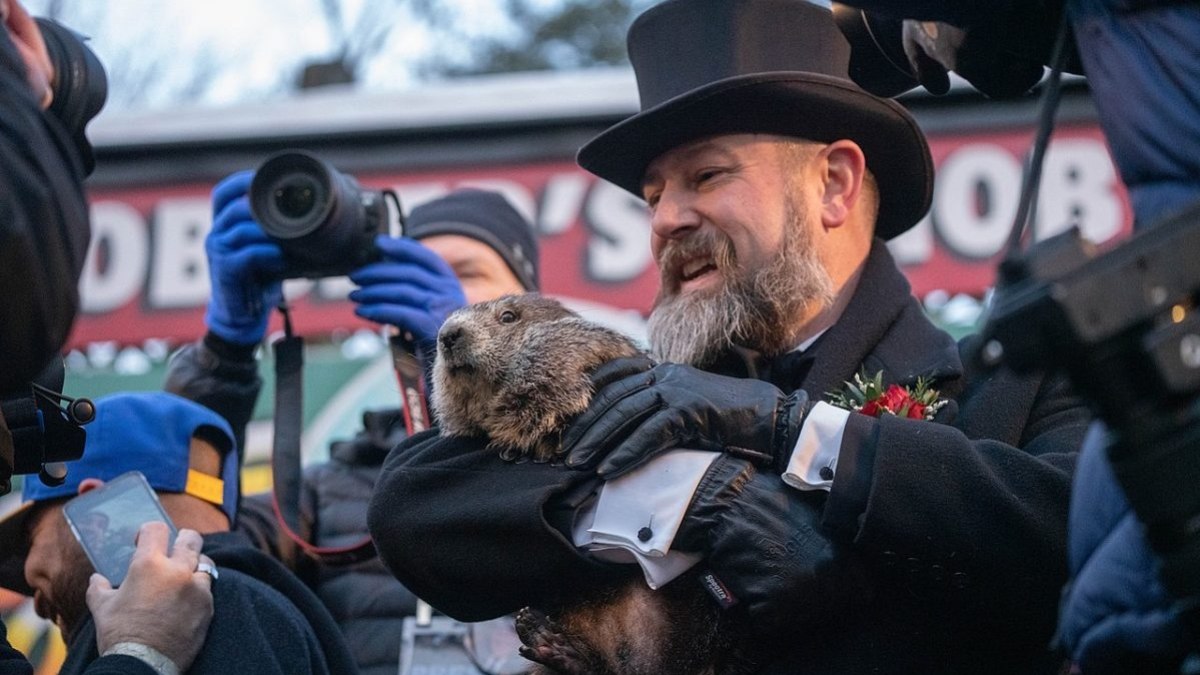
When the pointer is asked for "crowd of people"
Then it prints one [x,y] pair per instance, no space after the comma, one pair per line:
[851,491]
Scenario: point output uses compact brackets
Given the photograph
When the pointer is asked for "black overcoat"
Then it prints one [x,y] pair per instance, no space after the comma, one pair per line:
[962,520]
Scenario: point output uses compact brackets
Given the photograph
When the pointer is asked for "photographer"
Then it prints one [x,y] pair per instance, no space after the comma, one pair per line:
[468,246]
[1139,57]
[156,622]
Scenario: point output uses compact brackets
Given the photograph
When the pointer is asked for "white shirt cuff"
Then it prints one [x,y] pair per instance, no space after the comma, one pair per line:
[635,518]
[813,463]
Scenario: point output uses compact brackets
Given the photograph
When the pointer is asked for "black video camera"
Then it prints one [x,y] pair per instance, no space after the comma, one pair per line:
[1124,326]
[41,263]
[322,219]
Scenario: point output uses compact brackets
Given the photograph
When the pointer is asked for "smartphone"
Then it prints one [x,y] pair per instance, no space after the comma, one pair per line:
[106,522]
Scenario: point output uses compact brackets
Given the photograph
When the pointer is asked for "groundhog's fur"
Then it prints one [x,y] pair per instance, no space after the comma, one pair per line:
[517,369]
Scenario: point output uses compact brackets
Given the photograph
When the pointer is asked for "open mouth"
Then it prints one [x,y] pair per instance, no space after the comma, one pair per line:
[696,268]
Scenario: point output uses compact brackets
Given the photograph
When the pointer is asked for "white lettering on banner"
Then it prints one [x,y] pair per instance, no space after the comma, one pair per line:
[333,288]
[1079,188]
[978,187]
[117,258]
[619,249]
[179,269]
[562,200]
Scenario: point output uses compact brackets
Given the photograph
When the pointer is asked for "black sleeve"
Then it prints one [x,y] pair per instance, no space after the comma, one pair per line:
[12,662]
[471,534]
[978,524]
[221,376]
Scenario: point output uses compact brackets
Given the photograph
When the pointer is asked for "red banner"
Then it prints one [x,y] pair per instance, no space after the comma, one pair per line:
[147,275]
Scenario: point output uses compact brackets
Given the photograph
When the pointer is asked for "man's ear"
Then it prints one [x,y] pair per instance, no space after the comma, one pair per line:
[844,167]
[89,484]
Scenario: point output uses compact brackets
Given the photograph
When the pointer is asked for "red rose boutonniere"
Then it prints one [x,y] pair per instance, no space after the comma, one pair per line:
[870,397]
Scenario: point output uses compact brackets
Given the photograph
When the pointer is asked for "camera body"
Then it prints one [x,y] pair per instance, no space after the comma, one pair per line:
[324,221]
[1125,328]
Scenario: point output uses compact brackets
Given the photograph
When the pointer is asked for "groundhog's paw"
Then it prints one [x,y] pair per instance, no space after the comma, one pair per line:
[544,642]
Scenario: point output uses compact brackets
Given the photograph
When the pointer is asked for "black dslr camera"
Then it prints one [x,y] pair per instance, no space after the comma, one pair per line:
[322,219]
[1125,327]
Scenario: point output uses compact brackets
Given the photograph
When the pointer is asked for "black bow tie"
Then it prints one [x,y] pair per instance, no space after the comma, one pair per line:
[788,371]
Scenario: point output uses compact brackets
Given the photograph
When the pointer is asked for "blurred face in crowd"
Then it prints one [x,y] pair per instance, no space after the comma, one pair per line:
[733,231]
[482,272]
[56,568]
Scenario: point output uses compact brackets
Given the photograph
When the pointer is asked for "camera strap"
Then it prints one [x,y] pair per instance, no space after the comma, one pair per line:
[409,365]
[286,450]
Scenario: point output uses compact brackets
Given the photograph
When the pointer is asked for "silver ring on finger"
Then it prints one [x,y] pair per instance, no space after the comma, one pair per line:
[209,569]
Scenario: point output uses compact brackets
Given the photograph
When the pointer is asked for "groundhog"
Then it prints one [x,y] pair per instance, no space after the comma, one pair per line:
[518,369]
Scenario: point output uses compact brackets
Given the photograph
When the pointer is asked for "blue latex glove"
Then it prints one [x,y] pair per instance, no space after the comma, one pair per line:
[1116,616]
[244,266]
[412,288]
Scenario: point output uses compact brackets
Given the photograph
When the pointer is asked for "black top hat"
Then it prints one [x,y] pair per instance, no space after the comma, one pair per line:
[713,67]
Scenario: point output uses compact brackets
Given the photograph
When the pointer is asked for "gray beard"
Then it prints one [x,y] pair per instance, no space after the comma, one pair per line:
[761,309]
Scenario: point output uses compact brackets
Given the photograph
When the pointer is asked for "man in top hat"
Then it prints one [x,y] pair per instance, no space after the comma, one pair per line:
[463,247]
[921,531]
[264,620]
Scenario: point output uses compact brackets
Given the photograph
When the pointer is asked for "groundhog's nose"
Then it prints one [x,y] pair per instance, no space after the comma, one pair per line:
[450,337]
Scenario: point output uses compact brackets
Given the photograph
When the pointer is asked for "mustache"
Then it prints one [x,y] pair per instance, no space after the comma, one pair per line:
[702,244]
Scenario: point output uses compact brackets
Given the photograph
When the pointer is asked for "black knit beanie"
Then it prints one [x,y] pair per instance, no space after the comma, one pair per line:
[487,217]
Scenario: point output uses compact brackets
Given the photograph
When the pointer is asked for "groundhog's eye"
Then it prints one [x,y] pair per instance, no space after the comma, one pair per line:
[508,316]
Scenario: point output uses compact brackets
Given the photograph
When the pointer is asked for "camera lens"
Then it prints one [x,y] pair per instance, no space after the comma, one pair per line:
[293,194]
[324,222]
[295,200]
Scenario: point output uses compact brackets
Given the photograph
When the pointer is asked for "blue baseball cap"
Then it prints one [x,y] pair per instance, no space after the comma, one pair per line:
[150,432]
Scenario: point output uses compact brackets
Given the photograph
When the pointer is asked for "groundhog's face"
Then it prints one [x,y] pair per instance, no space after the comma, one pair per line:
[480,340]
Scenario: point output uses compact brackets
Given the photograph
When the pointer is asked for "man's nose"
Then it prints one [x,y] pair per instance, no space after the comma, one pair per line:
[674,215]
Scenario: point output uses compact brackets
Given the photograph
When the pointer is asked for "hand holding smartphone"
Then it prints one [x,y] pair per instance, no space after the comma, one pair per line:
[106,522]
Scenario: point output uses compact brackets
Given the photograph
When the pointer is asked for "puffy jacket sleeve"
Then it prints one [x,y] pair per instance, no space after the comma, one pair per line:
[219,375]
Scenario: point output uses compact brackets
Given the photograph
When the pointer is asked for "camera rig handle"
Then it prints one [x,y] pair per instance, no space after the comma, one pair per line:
[39,434]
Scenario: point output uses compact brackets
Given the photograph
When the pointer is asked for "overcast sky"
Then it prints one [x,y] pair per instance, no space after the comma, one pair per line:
[251,45]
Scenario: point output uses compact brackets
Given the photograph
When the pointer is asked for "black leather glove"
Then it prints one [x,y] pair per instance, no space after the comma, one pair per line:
[764,542]
[670,406]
